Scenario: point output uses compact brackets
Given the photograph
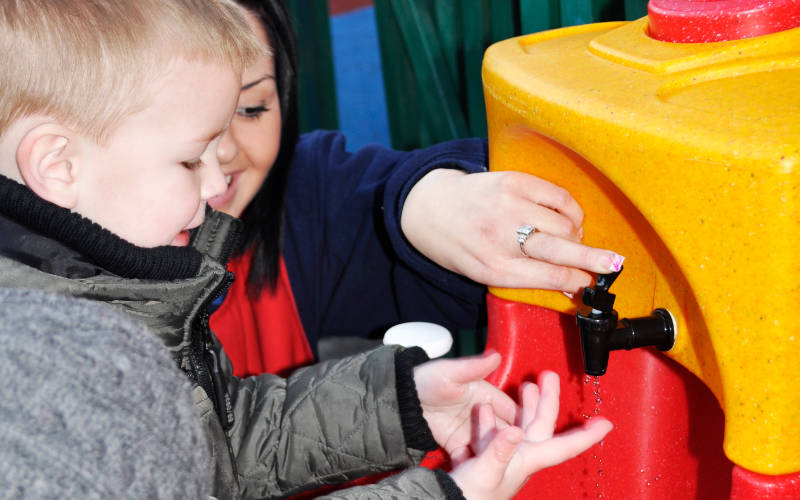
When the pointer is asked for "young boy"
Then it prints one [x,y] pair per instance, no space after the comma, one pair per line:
[110,130]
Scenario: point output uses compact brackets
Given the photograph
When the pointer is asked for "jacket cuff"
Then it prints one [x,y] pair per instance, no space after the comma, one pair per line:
[449,487]
[468,155]
[415,429]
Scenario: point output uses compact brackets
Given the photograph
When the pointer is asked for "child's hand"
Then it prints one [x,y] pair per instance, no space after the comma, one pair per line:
[449,389]
[507,456]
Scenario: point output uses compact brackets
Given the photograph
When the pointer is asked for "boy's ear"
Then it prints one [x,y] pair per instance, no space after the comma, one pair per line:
[45,160]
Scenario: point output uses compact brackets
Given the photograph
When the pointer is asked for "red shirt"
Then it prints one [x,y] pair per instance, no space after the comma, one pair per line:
[261,335]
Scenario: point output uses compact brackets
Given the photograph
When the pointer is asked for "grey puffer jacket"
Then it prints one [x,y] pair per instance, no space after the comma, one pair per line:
[270,437]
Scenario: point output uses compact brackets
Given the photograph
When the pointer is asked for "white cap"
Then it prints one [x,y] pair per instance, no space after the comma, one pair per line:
[434,339]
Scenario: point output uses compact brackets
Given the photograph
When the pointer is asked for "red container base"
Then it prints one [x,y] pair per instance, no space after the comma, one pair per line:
[667,441]
[749,485]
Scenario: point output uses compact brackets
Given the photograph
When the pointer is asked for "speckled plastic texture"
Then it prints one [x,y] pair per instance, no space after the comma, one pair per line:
[696,21]
[685,160]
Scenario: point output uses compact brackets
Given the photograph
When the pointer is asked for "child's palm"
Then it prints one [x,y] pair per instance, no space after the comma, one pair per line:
[449,389]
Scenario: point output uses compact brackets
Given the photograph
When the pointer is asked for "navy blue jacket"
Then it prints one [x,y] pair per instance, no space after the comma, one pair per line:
[352,271]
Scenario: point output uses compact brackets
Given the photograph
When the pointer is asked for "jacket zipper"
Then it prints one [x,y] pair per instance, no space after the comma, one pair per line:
[204,360]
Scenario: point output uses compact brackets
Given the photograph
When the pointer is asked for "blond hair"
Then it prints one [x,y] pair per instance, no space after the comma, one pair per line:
[91,63]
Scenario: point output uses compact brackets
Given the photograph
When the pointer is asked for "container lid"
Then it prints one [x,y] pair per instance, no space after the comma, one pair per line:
[434,339]
[696,21]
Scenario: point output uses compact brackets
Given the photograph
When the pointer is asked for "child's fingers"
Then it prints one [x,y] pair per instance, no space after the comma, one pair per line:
[472,368]
[529,400]
[485,429]
[494,459]
[567,444]
[544,422]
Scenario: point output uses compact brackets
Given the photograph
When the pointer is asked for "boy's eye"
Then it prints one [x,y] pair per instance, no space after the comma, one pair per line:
[193,164]
[251,112]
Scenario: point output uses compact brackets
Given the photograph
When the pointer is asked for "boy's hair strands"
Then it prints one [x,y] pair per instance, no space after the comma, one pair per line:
[91,63]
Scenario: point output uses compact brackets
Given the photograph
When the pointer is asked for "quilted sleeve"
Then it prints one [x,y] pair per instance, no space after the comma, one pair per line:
[326,424]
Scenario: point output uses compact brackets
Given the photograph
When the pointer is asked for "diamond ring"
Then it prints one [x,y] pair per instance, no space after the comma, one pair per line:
[522,236]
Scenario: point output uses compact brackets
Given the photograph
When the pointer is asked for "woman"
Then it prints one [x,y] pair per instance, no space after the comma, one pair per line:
[343,245]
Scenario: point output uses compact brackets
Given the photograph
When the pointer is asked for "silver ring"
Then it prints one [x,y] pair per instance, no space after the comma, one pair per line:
[522,236]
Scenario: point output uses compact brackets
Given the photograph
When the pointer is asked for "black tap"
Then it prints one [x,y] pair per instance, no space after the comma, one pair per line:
[600,333]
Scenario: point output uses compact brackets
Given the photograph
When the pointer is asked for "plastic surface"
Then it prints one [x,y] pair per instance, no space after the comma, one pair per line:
[692,21]
[435,339]
[685,159]
[748,485]
[667,437]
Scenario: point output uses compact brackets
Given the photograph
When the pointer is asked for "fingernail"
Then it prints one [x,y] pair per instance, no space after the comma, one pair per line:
[615,262]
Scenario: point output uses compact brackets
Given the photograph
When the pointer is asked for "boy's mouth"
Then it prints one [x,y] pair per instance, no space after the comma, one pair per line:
[181,239]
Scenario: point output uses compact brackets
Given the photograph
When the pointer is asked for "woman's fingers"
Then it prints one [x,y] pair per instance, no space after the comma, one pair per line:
[547,194]
[532,273]
[559,251]
[547,221]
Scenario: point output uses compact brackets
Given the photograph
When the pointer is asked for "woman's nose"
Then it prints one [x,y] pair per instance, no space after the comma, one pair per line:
[227,148]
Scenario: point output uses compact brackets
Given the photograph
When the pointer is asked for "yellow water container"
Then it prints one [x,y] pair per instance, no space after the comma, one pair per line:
[685,159]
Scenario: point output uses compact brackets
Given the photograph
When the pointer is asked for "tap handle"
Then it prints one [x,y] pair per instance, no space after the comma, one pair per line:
[598,297]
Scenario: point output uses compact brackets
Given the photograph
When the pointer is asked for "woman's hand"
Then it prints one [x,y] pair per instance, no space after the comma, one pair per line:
[467,223]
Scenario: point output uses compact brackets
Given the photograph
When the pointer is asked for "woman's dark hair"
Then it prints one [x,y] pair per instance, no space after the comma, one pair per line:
[263,217]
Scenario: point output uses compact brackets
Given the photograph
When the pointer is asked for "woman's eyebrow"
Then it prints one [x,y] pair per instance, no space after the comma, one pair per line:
[256,82]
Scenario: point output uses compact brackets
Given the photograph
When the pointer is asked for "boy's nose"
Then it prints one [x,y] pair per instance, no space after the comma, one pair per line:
[227,148]
[212,181]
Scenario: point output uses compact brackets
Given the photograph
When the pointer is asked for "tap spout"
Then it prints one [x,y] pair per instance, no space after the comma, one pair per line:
[602,332]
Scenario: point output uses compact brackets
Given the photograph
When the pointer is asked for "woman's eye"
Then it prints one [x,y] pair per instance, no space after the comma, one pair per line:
[193,164]
[251,112]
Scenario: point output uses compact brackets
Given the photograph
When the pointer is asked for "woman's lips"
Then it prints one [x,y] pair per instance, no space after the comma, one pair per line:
[221,201]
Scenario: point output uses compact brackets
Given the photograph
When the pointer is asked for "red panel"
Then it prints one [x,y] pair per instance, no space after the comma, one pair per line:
[342,6]
[748,485]
[667,441]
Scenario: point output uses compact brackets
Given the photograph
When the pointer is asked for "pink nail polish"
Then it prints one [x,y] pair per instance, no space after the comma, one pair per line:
[616,263]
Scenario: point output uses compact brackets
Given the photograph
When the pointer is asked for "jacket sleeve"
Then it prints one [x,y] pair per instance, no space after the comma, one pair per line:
[417,482]
[329,423]
[352,271]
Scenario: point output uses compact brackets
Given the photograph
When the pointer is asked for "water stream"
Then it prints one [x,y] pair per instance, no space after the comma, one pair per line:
[598,450]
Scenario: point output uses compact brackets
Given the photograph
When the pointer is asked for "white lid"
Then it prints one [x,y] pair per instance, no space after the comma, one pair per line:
[434,339]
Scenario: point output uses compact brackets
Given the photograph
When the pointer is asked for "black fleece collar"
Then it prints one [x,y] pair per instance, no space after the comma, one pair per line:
[82,239]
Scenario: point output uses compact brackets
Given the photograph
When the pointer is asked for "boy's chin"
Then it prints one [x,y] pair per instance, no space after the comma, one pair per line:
[181,239]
